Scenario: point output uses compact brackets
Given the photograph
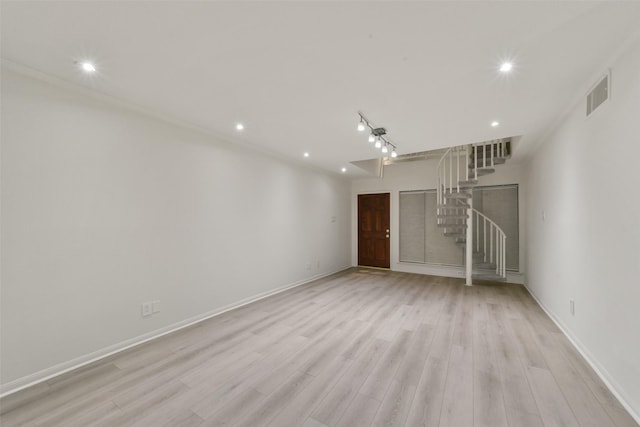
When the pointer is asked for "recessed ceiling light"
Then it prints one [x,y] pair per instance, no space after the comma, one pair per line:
[239,126]
[306,154]
[88,67]
[494,124]
[506,67]
[343,170]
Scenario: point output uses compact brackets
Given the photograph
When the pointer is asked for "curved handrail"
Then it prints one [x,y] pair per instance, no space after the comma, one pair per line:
[495,232]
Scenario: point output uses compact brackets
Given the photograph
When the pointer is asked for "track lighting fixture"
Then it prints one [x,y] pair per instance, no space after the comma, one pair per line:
[377,136]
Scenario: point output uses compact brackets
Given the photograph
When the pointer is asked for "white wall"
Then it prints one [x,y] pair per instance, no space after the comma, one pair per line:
[104,208]
[422,175]
[586,179]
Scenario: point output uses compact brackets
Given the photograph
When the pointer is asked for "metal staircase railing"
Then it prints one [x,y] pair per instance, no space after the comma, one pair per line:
[458,172]
[487,230]
[449,181]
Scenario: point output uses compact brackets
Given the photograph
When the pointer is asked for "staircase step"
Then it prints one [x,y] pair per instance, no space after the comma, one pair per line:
[468,184]
[496,161]
[484,171]
[453,216]
[457,195]
[454,234]
[460,205]
[499,160]
[464,226]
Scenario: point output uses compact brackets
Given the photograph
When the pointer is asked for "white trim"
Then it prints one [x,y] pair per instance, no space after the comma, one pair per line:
[447,271]
[62,368]
[600,370]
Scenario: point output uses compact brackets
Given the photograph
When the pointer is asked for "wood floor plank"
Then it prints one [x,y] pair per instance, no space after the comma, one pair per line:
[529,351]
[554,409]
[383,373]
[411,368]
[154,404]
[185,418]
[427,404]
[394,322]
[593,381]
[520,404]
[395,405]
[457,402]
[298,409]
[620,417]
[310,422]
[363,347]
[488,401]
[443,335]
[232,411]
[269,407]
[360,412]
[342,394]
[463,330]
[586,407]
[103,412]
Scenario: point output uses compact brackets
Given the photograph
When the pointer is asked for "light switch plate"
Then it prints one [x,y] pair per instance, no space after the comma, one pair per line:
[146,309]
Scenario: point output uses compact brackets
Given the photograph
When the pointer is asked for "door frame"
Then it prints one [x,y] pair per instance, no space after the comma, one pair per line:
[393,226]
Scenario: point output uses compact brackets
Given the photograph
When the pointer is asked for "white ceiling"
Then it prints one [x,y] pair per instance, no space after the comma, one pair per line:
[296,73]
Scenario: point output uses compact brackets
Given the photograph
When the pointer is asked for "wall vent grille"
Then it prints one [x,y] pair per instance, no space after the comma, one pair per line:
[598,95]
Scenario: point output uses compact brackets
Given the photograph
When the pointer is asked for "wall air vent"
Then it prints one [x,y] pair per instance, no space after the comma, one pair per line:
[599,94]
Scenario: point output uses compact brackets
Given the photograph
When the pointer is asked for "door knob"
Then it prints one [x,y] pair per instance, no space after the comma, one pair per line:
[387,236]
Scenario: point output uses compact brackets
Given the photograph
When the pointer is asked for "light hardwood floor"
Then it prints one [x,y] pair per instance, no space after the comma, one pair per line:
[361,348]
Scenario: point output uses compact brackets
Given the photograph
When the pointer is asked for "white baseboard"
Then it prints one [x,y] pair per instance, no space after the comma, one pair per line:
[430,269]
[600,370]
[62,368]
[447,271]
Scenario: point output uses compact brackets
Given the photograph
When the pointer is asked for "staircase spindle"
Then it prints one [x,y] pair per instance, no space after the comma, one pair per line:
[475,161]
[466,156]
[450,174]
[458,169]
[492,154]
[477,233]
[484,156]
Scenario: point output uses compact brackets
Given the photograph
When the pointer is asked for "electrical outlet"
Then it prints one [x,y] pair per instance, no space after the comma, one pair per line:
[572,307]
[147,309]
[155,306]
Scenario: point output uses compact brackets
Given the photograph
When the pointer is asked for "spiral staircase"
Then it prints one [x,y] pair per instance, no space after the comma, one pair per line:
[459,171]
